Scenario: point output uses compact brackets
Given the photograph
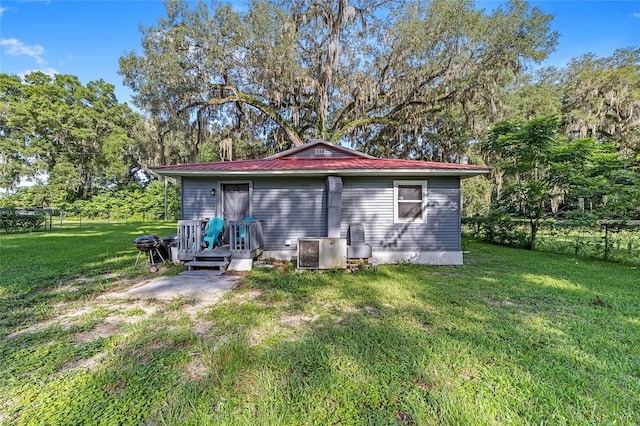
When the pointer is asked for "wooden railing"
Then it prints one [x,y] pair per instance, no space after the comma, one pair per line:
[190,233]
[245,238]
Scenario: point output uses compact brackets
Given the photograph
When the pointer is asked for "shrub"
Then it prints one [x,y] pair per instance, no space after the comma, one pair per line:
[11,220]
[500,228]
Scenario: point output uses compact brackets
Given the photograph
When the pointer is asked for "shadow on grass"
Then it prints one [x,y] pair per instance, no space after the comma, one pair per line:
[34,265]
[509,338]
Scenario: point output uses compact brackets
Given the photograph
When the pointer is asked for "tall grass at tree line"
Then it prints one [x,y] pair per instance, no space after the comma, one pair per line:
[614,242]
[511,337]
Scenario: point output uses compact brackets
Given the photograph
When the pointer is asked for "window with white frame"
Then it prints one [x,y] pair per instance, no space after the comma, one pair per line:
[409,201]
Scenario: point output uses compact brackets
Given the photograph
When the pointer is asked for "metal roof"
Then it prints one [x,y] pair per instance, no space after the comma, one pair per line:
[348,163]
[322,166]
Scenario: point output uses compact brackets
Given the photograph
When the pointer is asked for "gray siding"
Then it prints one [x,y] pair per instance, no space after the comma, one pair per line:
[327,152]
[370,201]
[291,208]
[197,202]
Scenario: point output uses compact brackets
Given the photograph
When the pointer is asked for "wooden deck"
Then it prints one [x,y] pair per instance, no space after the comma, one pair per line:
[245,237]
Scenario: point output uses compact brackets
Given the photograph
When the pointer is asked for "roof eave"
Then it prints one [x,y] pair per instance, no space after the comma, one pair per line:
[463,173]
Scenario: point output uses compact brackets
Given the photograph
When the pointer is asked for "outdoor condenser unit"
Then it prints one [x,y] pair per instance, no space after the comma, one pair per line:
[322,253]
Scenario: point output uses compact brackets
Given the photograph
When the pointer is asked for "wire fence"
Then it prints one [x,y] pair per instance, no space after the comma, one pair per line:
[607,240]
[24,220]
[614,241]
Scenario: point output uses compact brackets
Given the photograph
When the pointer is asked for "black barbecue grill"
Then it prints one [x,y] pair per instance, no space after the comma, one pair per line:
[154,248]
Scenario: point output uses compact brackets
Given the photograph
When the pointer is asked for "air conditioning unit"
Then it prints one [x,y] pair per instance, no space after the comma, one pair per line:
[322,253]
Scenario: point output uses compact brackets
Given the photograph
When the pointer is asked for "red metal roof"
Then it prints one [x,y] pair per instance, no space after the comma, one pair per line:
[316,164]
[297,161]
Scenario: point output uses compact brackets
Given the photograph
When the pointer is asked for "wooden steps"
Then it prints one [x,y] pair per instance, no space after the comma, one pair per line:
[209,262]
[202,273]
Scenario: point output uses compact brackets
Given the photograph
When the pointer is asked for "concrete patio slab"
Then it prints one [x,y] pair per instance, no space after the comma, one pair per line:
[201,288]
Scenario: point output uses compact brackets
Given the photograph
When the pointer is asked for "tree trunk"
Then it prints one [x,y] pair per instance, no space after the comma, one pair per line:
[534,233]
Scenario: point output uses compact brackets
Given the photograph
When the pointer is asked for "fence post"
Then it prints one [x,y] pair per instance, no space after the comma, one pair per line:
[166,203]
[606,242]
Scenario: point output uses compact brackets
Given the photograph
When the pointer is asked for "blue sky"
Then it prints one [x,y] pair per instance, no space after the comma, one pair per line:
[87,37]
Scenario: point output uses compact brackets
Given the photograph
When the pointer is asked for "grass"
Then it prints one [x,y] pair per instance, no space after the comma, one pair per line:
[87,260]
[512,337]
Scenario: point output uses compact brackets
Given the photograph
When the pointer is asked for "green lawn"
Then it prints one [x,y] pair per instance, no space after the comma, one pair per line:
[512,337]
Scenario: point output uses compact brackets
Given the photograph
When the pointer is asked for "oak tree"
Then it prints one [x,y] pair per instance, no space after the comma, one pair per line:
[385,76]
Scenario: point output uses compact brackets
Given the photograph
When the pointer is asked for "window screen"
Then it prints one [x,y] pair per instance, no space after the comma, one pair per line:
[409,201]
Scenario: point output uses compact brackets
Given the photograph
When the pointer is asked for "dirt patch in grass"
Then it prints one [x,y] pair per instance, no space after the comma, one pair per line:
[11,402]
[196,313]
[75,283]
[298,319]
[104,330]
[368,310]
[81,280]
[65,322]
[36,328]
[249,295]
[67,288]
[371,310]
[87,364]
[504,302]
[124,312]
[109,276]
[196,369]
[121,314]
[76,314]
[116,388]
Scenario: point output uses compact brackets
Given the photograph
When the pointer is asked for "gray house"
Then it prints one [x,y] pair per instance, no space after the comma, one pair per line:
[323,195]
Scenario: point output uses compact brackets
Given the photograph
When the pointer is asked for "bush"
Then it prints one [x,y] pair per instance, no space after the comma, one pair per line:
[500,228]
[131,202]
[11,220]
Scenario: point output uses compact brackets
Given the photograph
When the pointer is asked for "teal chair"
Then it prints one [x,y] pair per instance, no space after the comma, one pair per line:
[214,231]
[240,239]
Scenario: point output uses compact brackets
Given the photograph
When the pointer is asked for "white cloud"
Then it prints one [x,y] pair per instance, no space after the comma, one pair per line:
[2,10]
[15,47]
[636,15]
